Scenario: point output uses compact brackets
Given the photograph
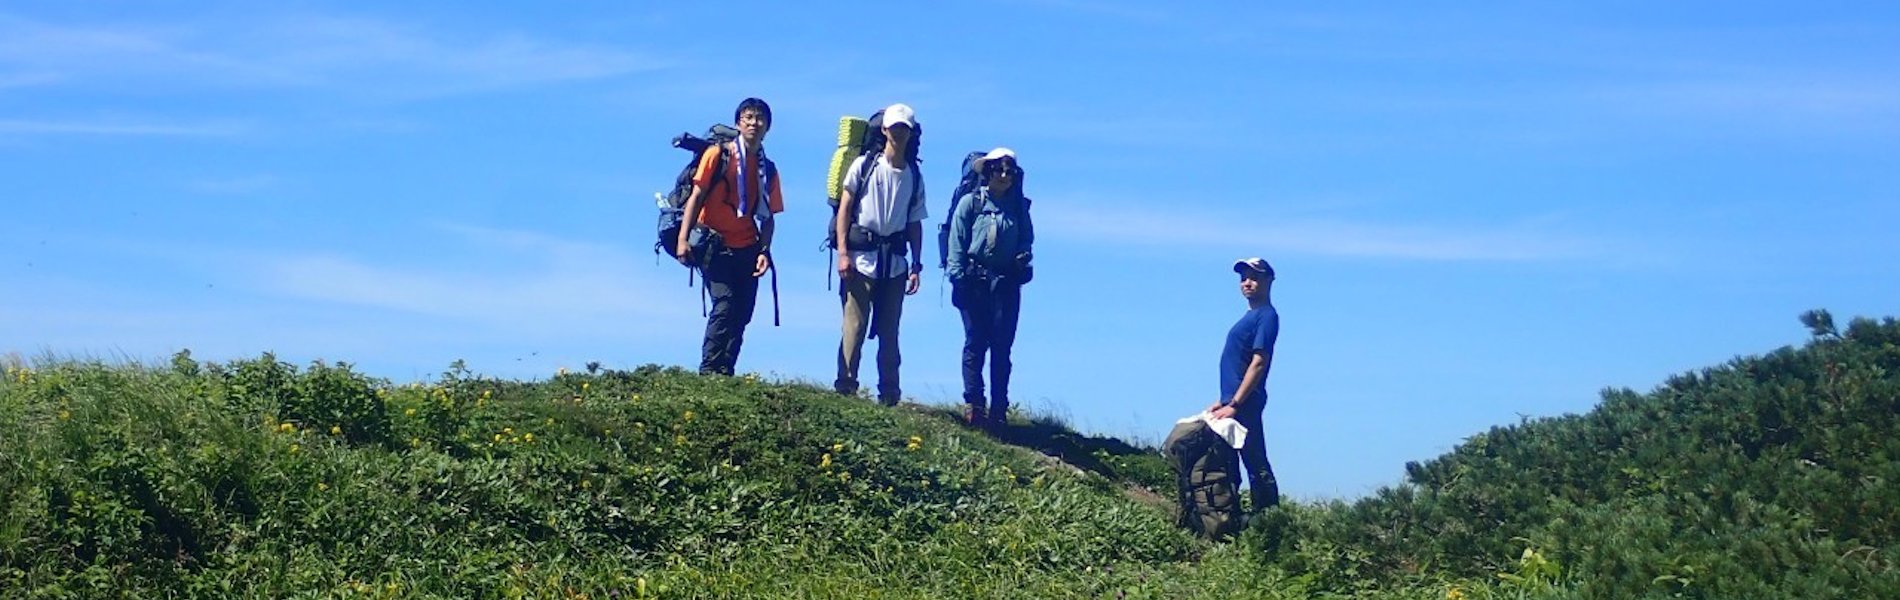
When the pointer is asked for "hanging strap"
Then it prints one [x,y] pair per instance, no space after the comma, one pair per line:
[705,294]
[772,265]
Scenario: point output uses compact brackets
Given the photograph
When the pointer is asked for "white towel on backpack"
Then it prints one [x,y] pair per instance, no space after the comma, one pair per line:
[1228,429]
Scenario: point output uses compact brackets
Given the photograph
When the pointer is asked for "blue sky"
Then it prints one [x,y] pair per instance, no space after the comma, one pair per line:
[1478,213]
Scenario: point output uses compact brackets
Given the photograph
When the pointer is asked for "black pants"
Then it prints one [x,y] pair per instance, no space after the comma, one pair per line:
[734,291]
[1253,454]
[990,309]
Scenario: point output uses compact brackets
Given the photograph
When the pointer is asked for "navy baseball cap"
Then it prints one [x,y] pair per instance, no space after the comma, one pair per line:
[1255,264]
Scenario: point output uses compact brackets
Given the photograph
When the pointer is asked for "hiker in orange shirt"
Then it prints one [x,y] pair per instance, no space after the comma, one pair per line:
[735,195]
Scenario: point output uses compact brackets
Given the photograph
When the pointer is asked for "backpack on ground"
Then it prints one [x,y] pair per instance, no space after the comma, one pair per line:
[1207,480]
[862,137]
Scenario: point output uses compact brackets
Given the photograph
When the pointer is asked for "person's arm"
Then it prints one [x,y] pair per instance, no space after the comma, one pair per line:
[775,204]
[1256,370]
[915,231]
[689,217]
[1027,241]
[841,225]
[1029,228]
[960,223]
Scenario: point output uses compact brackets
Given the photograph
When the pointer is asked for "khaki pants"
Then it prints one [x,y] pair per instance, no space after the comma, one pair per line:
[861,312]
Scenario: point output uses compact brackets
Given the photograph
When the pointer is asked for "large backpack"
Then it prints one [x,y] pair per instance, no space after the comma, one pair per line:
[1207,480]
[862,137]
[673,205]
[968,183]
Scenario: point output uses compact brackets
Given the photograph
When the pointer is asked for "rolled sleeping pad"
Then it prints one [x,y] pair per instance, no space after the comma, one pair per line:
[851,132]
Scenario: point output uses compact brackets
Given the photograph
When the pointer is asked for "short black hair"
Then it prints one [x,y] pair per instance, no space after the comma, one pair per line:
[765,110]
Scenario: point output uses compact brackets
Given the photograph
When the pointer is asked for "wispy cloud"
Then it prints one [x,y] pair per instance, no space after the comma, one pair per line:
[1804,97]
[354,55]
[551,283]
[120,128]
[1110,224]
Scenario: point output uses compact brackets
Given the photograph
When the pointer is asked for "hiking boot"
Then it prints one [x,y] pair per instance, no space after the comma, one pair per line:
[845,387]
[974,416]
[888,399]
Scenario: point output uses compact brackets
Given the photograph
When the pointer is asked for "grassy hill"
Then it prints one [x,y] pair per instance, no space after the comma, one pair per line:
[1767,477]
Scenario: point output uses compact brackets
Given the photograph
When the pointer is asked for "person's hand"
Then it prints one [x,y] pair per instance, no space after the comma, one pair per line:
[844,266]
[765,262]
[910,287]
[1225,412]
[684,253]
[1027,274]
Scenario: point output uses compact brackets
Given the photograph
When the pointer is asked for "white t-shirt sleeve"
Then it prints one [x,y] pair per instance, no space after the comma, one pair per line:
[851,174]
[917,211]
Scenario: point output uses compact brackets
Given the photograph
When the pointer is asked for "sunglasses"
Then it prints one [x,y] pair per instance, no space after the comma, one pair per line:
[1000,166]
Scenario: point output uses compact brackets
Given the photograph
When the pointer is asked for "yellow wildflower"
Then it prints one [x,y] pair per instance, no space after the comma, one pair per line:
[689,415]
[336,430]
[824,462]
[507,431]
[409,412]
[287,428]
[65,414]
[844,477]
[527,437]
[584,386]
[415,442]
[587,483]
[606,432]
[486,393]
[550,420]
[293,448]
[915,443]
[323,487]
[497,438]
[636,397]
[839,447]
[679,440]
[1454,594]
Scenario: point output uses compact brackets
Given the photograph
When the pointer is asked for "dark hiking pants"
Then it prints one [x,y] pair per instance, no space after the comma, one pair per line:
[734,292]
[1253,454]
[990,308]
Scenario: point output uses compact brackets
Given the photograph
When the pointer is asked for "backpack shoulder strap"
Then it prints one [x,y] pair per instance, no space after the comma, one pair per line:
[719,164]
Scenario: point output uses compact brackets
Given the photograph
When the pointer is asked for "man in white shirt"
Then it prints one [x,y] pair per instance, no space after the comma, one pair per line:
[873,242]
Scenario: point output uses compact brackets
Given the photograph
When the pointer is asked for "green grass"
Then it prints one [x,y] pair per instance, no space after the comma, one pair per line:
[259,479]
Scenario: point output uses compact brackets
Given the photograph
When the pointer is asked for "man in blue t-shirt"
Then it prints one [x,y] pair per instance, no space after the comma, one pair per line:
[1244,362]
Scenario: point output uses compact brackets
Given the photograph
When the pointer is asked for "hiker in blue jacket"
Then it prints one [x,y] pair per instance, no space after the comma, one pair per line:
[988,263]
[1245,360]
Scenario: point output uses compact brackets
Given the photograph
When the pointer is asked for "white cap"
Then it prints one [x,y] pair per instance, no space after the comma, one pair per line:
[899,113]
[999,152]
